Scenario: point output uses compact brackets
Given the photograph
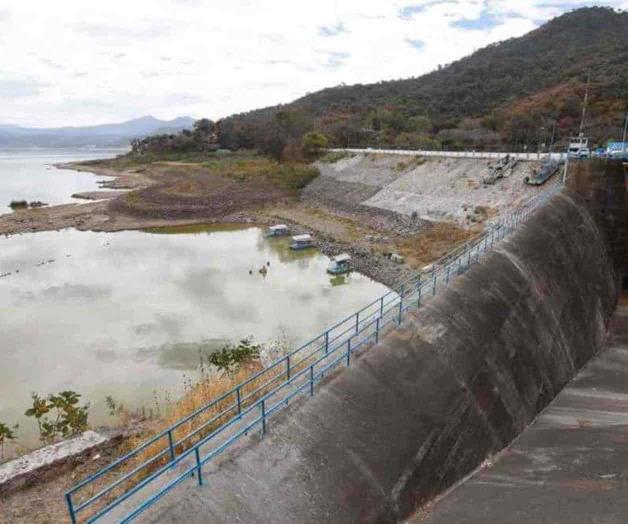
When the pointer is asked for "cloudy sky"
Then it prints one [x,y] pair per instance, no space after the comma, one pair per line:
[78,62]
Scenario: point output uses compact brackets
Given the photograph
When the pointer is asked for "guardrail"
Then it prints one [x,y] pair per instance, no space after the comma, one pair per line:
[457,154]
[181,450]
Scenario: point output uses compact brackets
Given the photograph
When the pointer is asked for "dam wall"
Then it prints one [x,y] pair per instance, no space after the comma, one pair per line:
[455,384]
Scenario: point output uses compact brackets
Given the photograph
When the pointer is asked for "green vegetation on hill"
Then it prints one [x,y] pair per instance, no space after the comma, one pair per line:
[510,95]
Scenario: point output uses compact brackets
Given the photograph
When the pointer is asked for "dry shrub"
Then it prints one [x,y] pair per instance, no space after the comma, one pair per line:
[211,385]
[434,242]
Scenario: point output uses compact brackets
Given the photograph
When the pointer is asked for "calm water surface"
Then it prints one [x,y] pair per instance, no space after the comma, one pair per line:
[125,314]
[28,174]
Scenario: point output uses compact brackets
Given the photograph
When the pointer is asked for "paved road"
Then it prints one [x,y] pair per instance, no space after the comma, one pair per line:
[570,466]
[457,154]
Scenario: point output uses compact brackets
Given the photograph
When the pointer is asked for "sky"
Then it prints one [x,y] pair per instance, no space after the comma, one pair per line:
[81,62]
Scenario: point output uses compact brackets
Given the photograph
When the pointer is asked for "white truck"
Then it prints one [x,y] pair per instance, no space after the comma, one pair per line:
[579,147]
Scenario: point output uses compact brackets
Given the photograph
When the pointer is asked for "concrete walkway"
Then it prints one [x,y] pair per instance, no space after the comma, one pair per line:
[570,466]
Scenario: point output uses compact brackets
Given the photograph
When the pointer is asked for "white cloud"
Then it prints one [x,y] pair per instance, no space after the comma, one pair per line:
[85,62]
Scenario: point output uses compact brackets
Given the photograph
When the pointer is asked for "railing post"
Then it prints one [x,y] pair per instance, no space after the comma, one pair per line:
[447,277]
[288,367]
[263,408]
[400,305]
[68,502]
[326,342]
[469,258]
[377,330]
[381,306]
[198,467]
[348,352]
[357,322]
[434,281]
[171,445]
[239,400]
[312,380]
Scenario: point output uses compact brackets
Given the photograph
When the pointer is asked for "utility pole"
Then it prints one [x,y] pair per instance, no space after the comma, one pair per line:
[551,147]
[584,105]
[623,142]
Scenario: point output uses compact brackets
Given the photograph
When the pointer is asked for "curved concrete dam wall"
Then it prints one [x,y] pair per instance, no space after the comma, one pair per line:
[426,406]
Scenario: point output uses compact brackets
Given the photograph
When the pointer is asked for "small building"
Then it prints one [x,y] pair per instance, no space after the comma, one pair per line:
[301,242]
[278,230]
[339,264]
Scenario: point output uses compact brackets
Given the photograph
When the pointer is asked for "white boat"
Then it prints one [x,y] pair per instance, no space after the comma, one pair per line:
[278,230]
[339,264]
[301,242]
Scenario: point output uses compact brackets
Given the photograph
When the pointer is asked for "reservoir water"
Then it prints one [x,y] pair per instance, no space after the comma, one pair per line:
[29,174]
[126,314]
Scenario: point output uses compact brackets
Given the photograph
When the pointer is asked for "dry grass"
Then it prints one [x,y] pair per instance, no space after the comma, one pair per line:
[433,243]
[210,386]
[215,188]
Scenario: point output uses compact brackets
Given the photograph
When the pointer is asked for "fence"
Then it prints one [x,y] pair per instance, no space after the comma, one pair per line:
[250,405]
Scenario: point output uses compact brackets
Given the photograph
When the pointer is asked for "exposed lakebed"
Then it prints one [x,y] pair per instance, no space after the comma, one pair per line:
[126,314]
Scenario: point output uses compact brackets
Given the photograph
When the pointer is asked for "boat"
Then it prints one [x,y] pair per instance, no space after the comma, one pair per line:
[541,175]
[301,242]
[278,230]
[339,264]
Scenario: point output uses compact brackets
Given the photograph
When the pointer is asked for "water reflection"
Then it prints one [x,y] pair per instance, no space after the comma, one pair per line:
[339,280]
[28,174]
[127,313]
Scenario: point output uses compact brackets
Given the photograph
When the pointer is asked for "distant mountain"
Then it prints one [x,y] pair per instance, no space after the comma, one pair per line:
[509,95]
[102,135]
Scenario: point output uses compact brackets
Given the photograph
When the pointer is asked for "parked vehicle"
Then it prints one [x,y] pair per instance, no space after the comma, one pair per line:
[339,264]
[301,242]
[277,231]
[617,150]
[579,147]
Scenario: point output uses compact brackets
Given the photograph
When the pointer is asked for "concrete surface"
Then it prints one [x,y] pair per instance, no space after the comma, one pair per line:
[570,466]
[433,188]
[427,405]
[21,470]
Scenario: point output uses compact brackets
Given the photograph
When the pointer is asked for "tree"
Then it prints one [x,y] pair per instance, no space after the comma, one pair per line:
[203,126]
[313,144]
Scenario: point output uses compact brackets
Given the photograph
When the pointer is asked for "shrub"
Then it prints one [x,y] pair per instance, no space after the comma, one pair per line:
[231,357]
[6,433]
[66,418]
[313,144]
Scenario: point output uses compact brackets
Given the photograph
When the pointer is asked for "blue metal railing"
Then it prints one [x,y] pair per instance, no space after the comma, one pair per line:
[217,425]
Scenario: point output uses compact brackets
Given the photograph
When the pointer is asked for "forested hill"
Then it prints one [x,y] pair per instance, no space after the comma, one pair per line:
[500,94]
[510,95]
